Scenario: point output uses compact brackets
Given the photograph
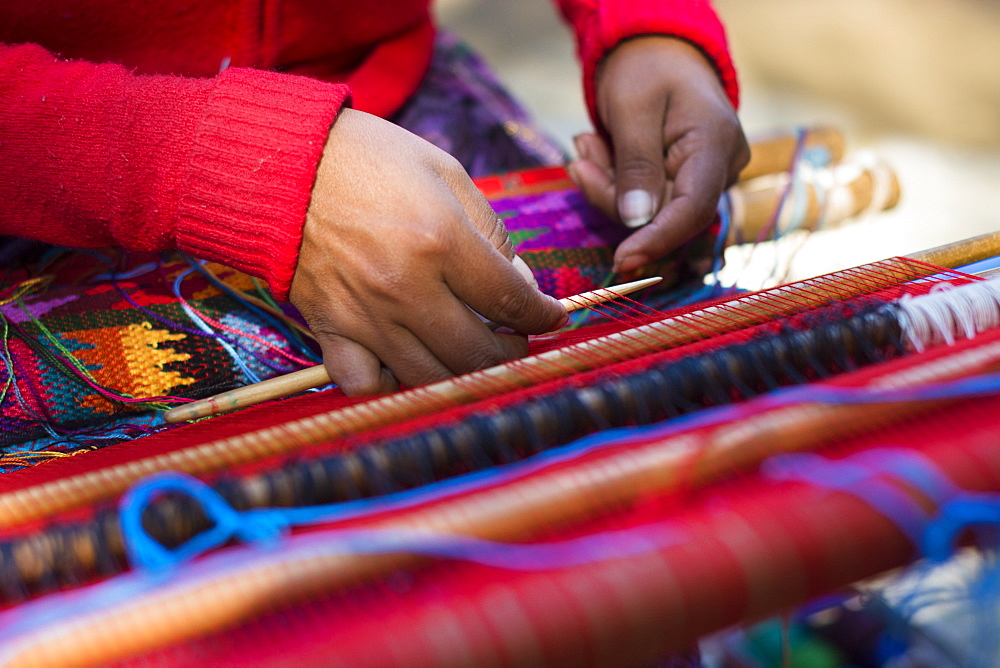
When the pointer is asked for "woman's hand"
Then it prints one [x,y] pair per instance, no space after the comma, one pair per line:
[398,246]
[677,145]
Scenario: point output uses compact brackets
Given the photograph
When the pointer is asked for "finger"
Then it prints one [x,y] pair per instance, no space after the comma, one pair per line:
[637,131]
[460,340]
[491,226]
[591,147]
[493,288]
[478,211]
[697,188]
[354,368]
[409,357]
[490,285]
[596,186]
[486,280]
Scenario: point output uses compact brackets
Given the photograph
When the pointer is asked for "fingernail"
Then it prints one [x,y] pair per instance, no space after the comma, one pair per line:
[581,146]
[630,263]
[636,208]
[525,271]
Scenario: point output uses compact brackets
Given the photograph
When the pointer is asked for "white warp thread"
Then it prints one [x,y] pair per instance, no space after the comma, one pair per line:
[949,313]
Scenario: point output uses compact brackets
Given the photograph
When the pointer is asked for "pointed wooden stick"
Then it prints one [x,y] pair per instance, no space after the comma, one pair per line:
[316,376]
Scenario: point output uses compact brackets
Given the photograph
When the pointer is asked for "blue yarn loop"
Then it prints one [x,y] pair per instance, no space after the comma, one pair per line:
[858,475]
[264,527]
[252,526]
[964,512]
[861,475]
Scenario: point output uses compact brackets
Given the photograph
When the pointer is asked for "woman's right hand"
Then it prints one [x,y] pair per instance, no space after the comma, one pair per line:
[399,248]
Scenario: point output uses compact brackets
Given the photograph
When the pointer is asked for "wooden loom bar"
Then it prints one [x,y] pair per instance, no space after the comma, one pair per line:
[74,550]
[754,204]
[50,498]
[317,376]
[959,253]
[509,512]
[774,154]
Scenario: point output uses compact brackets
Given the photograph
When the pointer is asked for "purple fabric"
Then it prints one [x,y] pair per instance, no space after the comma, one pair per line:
[462,108]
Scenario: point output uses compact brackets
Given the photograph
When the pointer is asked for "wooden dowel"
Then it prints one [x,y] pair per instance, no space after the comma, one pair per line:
[962,252]
[755,202]
[774,154]
[317,376]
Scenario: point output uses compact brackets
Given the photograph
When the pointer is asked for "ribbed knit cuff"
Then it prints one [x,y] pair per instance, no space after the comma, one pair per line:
[693,21]
[252,168]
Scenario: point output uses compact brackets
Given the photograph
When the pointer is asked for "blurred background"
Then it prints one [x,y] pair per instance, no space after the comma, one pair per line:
[915,81]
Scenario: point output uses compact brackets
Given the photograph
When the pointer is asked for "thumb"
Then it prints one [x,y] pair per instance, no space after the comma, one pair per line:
[639,174]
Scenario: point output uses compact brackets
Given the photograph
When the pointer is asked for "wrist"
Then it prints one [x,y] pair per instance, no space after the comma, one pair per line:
[251,173]
[664,56]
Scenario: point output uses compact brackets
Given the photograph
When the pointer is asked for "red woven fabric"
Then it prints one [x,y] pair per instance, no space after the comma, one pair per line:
[754,547]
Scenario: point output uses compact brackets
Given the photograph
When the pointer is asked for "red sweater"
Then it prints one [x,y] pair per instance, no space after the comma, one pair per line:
[131,136]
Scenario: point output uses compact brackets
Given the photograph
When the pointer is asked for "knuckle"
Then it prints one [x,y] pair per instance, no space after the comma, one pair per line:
[388,282]
[431,236]
[640,167]
[448,166]
[499,237]
[450,162]
[514,303]
[320,323]
[483,356]
[359,386]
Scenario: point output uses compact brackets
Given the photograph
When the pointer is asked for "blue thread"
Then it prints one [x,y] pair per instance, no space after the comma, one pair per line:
[126,587]
[275,322]
[882,497]
[624,436]
[913,467]
[266,525]
[794,181]
[145,552]
[862,482]
[254,378]
[849,475]
[114,274]
[963,512]
[259,527]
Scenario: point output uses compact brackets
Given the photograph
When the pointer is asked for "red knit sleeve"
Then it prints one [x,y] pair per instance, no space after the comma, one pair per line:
[600,25]
[93,155]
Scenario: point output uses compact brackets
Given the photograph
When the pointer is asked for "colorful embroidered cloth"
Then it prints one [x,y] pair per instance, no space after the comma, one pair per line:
[91,355]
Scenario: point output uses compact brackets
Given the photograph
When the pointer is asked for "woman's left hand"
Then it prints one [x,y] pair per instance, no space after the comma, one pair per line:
[677,144]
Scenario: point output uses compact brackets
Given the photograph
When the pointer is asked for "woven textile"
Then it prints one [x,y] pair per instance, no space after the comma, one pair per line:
[143,349]
[90,357]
